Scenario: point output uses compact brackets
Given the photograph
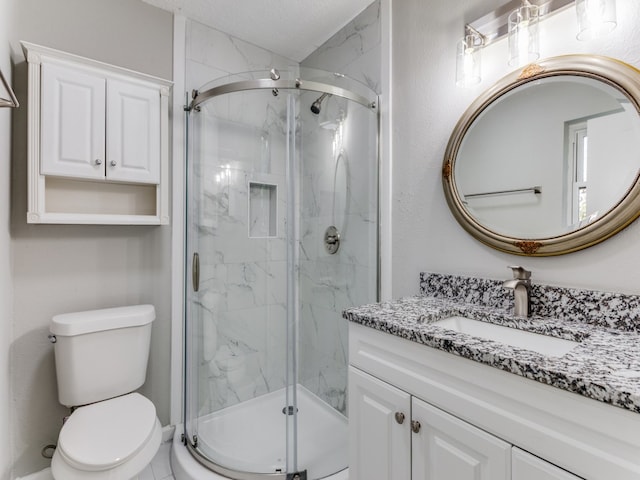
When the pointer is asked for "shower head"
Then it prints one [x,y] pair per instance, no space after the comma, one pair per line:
[315,106]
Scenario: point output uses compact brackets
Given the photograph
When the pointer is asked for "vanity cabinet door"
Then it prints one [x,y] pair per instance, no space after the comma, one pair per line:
[133,132]
[447,448]
[529,467]
[72,122]
[379,429]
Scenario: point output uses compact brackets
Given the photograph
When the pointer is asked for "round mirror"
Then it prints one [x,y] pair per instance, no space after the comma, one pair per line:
[546,162]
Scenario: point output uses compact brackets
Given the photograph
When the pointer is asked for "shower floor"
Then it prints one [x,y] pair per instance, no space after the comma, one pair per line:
[251,436]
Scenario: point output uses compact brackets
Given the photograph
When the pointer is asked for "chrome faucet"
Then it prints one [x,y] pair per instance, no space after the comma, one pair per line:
[521,286]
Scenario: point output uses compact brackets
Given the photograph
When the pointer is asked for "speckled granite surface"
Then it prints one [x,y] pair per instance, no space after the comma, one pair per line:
[588,306]
[604,366]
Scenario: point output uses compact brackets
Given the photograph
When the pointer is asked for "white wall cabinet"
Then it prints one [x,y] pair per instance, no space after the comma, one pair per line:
[98,142]
[476,422]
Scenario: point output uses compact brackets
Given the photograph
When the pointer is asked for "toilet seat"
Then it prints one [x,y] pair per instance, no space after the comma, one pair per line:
[121,434]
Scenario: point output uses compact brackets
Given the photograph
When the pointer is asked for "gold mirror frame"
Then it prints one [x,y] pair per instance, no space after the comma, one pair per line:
[615,73]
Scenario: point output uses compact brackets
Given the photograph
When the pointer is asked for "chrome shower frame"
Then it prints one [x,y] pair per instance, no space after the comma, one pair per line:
[275,85]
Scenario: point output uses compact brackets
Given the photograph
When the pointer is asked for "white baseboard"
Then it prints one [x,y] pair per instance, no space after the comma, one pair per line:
[167,433]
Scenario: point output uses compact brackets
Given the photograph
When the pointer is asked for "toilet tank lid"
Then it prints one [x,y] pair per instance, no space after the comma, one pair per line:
[78,323]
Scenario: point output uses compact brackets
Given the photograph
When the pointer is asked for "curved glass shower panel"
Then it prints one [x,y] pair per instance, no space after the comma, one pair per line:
[267,360]
[338,194]
[240,189]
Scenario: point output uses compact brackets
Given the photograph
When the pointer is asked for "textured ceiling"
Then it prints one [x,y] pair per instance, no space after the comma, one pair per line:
[292,28]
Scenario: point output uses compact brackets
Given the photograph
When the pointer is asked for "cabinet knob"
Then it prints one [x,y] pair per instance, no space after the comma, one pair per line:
[400,417]
[98,161]
[113,163]
[415,426]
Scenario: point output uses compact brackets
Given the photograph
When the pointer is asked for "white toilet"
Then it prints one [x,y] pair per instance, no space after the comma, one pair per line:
[101,358]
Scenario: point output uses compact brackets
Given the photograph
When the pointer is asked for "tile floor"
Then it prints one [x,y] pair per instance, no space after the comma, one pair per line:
[160,467]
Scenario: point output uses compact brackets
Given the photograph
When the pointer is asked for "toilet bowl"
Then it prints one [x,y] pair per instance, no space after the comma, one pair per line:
[109,440]
[101,358]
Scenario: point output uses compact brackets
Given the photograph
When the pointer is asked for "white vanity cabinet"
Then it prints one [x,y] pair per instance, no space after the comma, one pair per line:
[379,429]
[395,436]
[98,147]
[476,422]
[529,467]
[444,447]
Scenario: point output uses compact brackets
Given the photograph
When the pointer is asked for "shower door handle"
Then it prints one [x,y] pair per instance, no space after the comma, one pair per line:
[195,272]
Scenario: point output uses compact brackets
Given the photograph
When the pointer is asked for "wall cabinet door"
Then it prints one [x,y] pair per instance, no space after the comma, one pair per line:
[447,448]
[96,127]
[133,132]
[529,467]
[73,122]
[379,440]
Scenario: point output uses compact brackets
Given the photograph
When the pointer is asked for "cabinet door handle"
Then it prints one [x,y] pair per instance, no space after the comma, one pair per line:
[415,426]
[113,163]
[400,417]
[98,161]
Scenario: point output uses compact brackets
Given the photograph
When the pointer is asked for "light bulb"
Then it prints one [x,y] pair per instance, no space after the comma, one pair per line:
[468,62]
[523,35]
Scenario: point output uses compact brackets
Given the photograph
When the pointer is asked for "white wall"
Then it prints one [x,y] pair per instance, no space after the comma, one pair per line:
[426,107]
[6,287]
[59,269]
[354,50]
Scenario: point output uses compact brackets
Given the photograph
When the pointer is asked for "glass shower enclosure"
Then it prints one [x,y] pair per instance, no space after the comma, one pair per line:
[282,235]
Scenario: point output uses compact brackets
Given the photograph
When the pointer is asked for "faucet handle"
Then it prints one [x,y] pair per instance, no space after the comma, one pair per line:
[519,273]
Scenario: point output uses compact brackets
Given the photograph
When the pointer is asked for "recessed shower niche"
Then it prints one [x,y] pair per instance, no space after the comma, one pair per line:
[263,210]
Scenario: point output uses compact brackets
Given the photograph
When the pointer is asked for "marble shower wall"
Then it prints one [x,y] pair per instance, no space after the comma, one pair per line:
[355,51]
[240,310]
[339,187]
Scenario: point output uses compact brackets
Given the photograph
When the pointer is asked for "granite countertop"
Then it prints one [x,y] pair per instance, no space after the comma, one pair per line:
[605,366]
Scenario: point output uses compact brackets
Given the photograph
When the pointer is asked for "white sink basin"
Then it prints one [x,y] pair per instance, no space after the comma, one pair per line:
[552,346]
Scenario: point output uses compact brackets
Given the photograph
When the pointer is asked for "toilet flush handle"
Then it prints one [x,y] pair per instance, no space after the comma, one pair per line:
[53,339]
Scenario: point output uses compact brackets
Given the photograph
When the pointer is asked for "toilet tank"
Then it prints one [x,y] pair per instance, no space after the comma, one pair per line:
[101,354]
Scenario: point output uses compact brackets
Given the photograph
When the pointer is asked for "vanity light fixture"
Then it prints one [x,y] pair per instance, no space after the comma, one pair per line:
[468,58]
[595,18]
[12,101]
[519,20]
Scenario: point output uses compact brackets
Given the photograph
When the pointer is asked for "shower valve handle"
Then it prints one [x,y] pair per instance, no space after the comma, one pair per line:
[332,240]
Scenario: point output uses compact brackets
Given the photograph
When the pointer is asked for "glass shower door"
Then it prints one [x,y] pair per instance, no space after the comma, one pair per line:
[338,247]
[238,408]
